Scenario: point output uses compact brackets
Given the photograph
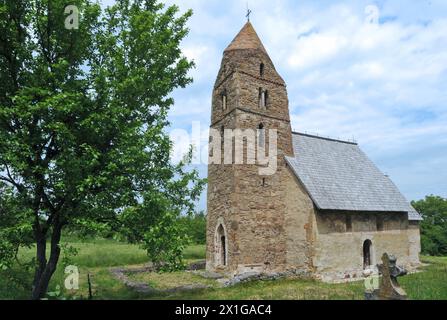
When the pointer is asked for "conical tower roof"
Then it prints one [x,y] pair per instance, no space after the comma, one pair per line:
[247,38]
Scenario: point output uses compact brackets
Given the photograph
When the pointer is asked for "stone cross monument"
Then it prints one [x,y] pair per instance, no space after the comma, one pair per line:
[389,288]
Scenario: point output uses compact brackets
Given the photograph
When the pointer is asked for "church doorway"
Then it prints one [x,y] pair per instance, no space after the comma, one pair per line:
[367,254]
[221,247]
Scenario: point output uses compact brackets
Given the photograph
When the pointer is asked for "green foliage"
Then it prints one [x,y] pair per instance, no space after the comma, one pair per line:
[195,252]
[83,118]
[15,226]
[68,253]
[434,225]
[195,227]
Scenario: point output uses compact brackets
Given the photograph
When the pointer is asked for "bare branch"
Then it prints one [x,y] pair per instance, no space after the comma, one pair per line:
[6,180]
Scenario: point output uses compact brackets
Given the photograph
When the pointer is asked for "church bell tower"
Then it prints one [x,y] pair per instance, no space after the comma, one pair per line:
[245,227]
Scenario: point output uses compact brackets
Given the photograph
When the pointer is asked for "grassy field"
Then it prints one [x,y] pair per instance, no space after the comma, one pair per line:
[96,257]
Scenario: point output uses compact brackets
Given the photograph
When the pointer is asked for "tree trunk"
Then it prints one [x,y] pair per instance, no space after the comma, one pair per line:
[41,256]
[43,274]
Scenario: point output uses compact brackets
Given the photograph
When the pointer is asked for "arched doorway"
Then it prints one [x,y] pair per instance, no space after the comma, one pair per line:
[221,247]
[367,254]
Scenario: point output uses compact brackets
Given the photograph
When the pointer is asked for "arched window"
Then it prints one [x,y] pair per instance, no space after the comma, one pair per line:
[261,69]
[367,254]
[221,247]
[224,100]
[261,135]
[263,98]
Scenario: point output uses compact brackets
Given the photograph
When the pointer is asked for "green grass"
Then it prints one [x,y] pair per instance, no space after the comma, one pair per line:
[431,284]
[104,253]
[96,257]
[285,289]
[195,252]
[163,281]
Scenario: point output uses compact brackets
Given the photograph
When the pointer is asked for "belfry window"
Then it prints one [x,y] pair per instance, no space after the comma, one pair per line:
[263,98]
[224,100]
[261,135]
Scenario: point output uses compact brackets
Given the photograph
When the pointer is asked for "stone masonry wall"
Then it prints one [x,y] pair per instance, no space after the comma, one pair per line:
[339,253]
[221,190]
[299,230]
[261,207]
[252,206]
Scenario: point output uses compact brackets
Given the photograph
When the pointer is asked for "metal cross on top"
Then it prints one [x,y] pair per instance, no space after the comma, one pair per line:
[248,13]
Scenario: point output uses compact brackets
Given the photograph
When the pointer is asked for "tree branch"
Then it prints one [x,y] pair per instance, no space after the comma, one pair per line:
[10,180]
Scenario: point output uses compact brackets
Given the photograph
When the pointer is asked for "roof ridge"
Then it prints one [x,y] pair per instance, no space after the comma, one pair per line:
[324,138]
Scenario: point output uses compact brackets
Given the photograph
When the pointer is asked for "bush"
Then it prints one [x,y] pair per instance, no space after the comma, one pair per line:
[195,227]
[434,226]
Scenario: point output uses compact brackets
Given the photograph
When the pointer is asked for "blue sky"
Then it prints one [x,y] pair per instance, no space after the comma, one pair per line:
[384,84]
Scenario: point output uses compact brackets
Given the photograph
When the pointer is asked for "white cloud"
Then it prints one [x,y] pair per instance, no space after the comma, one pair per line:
[383,84]
[318,48]
[191,105]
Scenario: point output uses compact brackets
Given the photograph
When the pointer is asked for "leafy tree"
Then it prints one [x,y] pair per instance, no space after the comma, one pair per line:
[83,114]
[195,227]
[434,225]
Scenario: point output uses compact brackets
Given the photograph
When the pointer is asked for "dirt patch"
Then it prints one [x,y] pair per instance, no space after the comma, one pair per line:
[140,278]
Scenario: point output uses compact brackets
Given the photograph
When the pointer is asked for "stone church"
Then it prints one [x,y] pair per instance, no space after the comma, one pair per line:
[327,212]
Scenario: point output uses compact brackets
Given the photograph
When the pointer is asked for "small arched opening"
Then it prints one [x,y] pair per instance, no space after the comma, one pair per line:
[367,254]
[263,96]
[224,100]
[261,135]
[221,247]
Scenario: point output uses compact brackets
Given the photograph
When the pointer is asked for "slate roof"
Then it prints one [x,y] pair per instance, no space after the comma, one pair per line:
[339,176]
